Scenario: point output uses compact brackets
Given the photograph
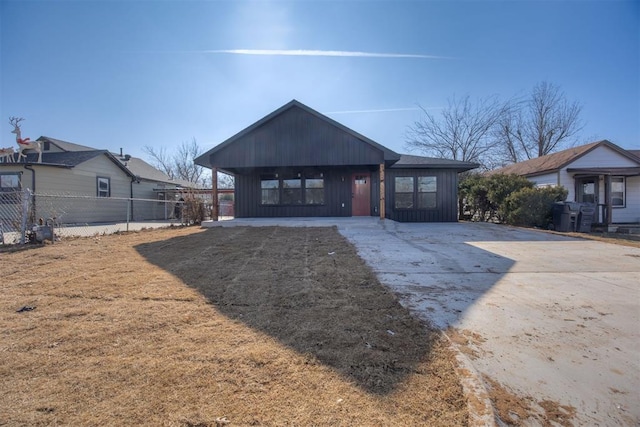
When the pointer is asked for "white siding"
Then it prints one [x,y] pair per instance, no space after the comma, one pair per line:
[546,180]
[603,156]
[631,211]
[600,157]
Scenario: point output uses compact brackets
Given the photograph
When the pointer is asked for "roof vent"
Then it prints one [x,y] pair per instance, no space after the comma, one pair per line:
[127,157]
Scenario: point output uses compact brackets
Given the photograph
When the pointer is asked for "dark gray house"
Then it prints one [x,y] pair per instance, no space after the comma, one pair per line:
[296,162]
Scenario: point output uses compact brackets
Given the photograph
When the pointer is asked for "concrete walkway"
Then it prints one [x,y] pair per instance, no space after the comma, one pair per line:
[545,315]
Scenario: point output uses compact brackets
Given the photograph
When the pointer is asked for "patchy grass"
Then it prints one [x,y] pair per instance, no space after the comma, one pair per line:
[245,326]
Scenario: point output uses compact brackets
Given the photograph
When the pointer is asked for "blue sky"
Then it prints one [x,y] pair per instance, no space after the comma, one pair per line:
[113,74]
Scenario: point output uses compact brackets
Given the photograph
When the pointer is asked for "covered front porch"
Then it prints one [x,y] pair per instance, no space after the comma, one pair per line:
[614,192]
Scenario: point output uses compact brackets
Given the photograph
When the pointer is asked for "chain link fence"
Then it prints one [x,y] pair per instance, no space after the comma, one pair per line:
[25,216]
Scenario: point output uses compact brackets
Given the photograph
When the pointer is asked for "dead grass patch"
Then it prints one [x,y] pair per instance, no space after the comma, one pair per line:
[515,410]
[245,326]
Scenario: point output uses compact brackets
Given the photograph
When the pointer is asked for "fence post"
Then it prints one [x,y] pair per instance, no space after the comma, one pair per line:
[26,199]
[128,212]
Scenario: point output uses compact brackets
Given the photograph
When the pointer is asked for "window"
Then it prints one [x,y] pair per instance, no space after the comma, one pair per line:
[10,182]
[104,187]
[416,192]
[270,188]
[618,191]
[292,191]
[314,191]
[404,192]
[427,189]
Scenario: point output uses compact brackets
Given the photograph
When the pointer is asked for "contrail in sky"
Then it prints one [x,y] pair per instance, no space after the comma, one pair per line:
[334,53]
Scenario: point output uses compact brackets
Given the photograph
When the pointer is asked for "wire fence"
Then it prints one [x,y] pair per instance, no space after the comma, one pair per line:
[25,216]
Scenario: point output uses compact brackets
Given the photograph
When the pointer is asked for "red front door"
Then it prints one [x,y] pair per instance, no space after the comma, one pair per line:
[361,188]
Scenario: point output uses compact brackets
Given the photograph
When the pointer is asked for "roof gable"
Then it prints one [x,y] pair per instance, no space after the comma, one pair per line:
[64,145]
[296,135]
[556,161]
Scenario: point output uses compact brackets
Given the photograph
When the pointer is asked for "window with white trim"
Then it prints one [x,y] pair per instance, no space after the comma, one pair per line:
[104,186]
[618,187]
[10,181]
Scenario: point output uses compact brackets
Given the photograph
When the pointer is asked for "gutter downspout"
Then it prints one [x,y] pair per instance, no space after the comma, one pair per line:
[135,179]
[131,194]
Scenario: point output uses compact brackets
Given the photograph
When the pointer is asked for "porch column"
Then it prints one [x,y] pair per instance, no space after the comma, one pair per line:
[382,204]
[214,193]
[607,199]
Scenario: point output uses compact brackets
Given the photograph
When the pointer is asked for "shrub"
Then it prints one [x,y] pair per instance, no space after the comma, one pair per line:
[499,188]
[482,198]
[193,210]
[533,207]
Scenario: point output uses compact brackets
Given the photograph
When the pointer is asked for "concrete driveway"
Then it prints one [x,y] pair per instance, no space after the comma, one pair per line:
[548,317]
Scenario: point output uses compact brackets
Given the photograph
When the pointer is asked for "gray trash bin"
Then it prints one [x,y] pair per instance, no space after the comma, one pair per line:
[585,218]
[565,215]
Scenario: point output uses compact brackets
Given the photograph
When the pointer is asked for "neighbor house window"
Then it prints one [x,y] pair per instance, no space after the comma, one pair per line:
[618,191]
[270,188]
[292,191]
[314,191]
[104,187]
[10,182]
[404,192]
[427,189]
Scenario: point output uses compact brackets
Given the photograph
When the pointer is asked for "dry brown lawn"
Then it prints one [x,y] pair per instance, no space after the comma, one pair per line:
[189,327]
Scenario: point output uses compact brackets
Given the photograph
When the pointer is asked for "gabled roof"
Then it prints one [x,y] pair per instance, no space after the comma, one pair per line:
[204,159]
[408,161]
[74,154]
[144,170]
[556,161]
[69,159]
[64,145]
[295,135]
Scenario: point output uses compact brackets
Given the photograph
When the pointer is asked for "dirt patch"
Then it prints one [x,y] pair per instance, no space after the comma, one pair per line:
[237,326]
[516,410]
[467,342]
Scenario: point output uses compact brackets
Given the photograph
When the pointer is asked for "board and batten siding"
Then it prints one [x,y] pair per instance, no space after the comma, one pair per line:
[296,138]
[337,197]
[446,200]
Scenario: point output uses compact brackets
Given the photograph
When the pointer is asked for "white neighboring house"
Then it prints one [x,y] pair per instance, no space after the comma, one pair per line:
[600,173]
[76,170]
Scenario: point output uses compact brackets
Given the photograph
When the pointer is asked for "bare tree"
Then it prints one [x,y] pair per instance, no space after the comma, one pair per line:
[160,159]
[463,131]
[539,125]
[181,164]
